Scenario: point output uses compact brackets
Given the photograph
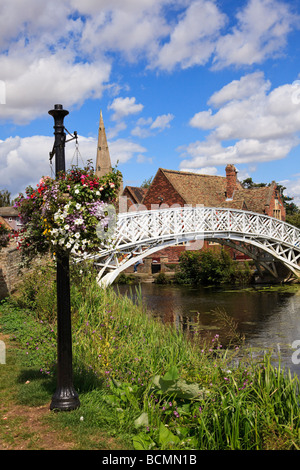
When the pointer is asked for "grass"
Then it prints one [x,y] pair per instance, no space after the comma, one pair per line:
[142,384]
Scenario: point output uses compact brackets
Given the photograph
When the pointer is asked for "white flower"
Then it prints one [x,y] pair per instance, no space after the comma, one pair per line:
[67,227]
[98,193]
[78,206]
[77,235]
[79,221]
[68,245]
[76,191]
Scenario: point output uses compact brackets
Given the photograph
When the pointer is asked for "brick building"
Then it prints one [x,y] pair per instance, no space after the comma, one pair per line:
[171,187]
[132,196]
[10,217]
[178,187]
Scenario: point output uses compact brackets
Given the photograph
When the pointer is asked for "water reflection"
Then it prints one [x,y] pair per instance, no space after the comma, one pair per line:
[267,318]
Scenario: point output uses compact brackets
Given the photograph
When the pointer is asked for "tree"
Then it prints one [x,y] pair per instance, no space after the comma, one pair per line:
[4,236]
[146,183]
[248,184]
[4,198]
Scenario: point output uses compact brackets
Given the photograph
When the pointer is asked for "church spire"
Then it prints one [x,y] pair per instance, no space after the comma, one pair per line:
[103,162]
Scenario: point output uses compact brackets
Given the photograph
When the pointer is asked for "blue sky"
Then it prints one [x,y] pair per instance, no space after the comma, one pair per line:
[182,84]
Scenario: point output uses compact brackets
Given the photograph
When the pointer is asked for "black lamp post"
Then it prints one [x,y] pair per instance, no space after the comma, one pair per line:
[65,397]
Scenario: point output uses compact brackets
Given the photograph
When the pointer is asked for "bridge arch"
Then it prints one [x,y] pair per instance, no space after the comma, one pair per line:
[139,234]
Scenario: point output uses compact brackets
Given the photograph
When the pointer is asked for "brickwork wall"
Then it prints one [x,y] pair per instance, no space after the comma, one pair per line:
[161,187]
[274,205]
[230,180]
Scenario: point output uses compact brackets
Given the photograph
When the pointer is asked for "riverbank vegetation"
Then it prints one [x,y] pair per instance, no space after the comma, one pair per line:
[207,267]
[148,383]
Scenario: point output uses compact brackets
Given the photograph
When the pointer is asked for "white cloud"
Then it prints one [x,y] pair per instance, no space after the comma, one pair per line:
[163,121]
[143,159]
[208,170]
[122,150]
[23,161]
[192,38]
[261,31]
[65,51]
[292,189]
[124,107]
[252,124]
[145,127]
[36,89]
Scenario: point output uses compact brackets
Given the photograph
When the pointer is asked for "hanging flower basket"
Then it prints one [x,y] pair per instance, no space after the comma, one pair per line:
[66,214]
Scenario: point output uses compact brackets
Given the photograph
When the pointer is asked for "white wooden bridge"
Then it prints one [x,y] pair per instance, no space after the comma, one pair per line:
[137,235]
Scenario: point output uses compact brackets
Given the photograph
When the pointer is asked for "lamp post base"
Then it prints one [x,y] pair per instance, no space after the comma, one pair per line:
[65,399]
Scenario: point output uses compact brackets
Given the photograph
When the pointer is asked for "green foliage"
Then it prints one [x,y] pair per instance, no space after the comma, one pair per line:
[153,383]
[147,182]
[4,236]
[208,267]
[161,278]
[37,292]
[293,219]
[5,198]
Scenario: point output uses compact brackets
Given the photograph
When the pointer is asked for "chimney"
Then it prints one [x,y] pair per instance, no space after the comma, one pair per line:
[230,180]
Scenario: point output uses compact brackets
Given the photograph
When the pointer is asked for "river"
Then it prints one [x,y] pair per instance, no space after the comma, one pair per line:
[268,316]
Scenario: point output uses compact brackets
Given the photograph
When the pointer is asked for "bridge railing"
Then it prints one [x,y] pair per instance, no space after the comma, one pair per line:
[134,227]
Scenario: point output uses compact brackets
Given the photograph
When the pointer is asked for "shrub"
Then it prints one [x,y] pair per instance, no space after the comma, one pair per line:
[208,267]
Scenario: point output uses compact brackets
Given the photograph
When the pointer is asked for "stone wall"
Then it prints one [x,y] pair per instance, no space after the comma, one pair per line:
[10,273]
[9,270]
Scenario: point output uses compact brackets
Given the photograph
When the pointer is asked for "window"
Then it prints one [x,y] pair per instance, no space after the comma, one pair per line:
[277,214]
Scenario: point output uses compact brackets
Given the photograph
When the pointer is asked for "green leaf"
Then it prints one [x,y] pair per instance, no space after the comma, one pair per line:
[166,437]
[142,442]
[141,420]
[172,374]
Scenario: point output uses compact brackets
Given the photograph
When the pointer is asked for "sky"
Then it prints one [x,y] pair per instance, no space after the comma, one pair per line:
[187,85]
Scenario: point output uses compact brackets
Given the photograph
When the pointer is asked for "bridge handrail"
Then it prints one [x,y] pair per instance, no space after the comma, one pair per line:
[294,232]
